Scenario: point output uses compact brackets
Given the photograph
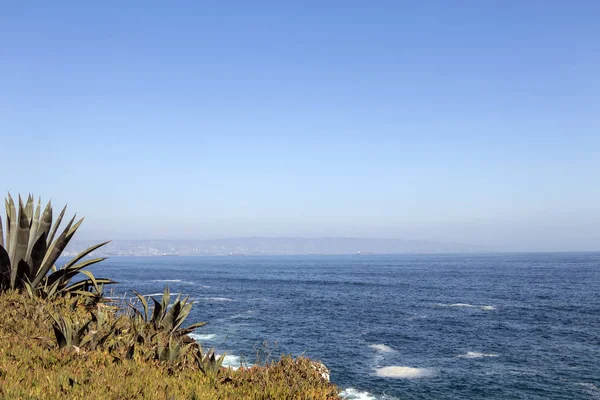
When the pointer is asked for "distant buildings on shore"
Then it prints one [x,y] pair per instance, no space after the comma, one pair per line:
[267,246]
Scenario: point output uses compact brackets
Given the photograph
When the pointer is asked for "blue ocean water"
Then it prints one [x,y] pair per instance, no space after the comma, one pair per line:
[506,326]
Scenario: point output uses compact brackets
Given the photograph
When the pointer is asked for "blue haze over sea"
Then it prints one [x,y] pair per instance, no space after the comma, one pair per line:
[498,326]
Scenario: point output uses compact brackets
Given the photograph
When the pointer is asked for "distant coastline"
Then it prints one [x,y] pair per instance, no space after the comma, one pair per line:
[253,246]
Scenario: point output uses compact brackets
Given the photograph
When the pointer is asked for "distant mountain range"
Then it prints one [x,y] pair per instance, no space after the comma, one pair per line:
[268,246]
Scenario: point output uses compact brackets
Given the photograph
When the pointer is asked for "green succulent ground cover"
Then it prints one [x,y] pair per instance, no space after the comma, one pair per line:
[124,357]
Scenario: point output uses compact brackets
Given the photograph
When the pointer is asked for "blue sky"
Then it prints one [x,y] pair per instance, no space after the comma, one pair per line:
[469,121]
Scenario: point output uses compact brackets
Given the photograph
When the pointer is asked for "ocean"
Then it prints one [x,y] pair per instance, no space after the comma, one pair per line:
[494,326]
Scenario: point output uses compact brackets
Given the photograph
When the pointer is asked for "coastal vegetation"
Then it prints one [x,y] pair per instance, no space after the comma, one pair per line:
[62,338]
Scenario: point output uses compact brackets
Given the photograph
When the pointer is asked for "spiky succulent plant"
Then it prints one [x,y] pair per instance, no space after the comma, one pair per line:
[31,248]
[167,317]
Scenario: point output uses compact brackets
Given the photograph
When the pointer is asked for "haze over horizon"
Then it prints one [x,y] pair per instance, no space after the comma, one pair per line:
[469,122]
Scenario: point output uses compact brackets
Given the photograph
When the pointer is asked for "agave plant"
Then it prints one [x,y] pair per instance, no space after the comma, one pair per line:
[69,332]
[165,317]
[209,363]
[31,248]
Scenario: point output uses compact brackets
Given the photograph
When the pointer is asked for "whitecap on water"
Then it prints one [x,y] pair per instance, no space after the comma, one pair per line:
[487,308]
[214,299]
[231,361]
[382,348]
[403,372]
[153,294]
[202,338]
[589,386]
[353,394]
[474,354]
[173,281]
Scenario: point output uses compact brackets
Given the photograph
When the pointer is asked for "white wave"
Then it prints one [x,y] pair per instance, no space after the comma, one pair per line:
[174,281]
[462,305]
[487,308]
[590,386]
[474,354]
[153,294]
[231,361]
[214,299]
[403,372]
[382,348]
[202,338]
[353,394]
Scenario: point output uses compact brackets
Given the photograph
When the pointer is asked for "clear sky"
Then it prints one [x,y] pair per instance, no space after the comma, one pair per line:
[470,121]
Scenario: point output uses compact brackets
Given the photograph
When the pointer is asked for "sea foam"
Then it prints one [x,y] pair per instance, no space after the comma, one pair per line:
[487,308]
[214,299]
[173,281]
[353,394]
[202,338]
[382,348]
[474,354]
[403,372]
[231,361]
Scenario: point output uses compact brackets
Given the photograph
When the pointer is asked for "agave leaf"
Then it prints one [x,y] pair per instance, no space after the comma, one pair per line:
[53,252]
[82,293]
[35,222]
[82,284]
[166,299]
[196,325]
[4,268]
[171,315]
[83,254]
[45,221]
[56,225]
[19,245]
[7,208]
[28,209]
[110,331]
[144,305]
[130,351]
[135,310]
[37,253]
[65,275]
[50,292]
[190,329]
[60,327]
[82,331]
[21,274]
[185,310]
[30,290]
[11,226]
[1,233]
[157,313]
[91,278]
[74,228]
